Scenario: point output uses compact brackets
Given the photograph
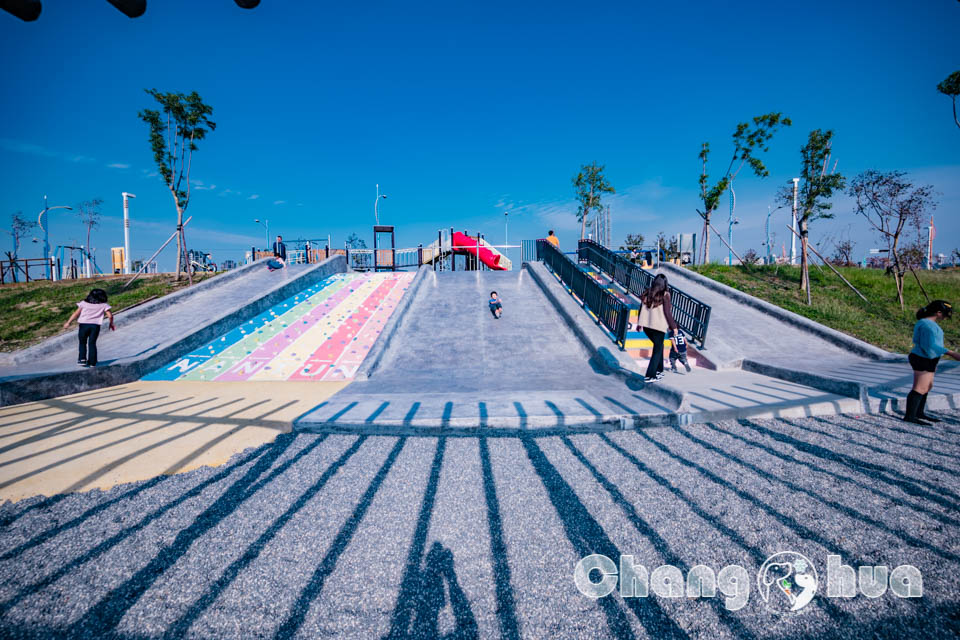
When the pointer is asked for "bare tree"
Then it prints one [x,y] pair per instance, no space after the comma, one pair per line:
[89,213]
[843,252]
[891,203]
[19,229]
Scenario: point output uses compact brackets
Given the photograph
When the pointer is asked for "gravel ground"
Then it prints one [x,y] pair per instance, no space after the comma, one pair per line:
[365,537]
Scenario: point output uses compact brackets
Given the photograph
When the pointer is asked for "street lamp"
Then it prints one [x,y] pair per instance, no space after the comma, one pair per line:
[126,232]
[46,233]
[265,223]
[793,236]
[376,215]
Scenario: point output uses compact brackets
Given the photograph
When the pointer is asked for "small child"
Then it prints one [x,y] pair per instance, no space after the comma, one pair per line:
[90,312]
[678,351]
[495,307]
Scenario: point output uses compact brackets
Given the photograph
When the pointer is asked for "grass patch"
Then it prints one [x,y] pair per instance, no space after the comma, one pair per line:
[33,311]
[881,322]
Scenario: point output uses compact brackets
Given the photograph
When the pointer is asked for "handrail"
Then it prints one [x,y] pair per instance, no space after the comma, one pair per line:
[692,315]
[608,309]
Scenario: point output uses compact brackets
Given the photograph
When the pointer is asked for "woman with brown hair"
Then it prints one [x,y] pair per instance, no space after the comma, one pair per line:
[927,348]
[656,318]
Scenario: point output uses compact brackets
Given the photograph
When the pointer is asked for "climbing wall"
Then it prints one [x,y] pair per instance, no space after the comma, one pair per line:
[322,333]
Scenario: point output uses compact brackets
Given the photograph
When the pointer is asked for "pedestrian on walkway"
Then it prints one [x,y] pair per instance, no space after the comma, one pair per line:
[280,249]
[656,318]
[926,352]
[89,315]
[552,239]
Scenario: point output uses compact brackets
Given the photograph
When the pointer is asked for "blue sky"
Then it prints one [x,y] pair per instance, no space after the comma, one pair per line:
[461,111]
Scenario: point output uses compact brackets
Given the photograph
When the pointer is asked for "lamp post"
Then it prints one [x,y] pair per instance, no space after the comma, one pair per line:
[46,233]
[506,225]
[126,232]
[793,236]
[730,223]
[376,215]
[266,224]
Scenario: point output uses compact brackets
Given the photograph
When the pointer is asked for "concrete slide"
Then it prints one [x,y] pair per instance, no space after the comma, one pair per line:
[450,363]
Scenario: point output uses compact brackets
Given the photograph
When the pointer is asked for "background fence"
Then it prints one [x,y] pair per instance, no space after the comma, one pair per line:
[692,315]
[608,309]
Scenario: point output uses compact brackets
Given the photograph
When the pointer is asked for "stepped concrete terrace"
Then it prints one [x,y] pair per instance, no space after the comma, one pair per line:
[155,333]
[756,336]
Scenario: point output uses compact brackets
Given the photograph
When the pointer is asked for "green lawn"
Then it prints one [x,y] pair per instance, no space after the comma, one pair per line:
[32,311]
[881,322]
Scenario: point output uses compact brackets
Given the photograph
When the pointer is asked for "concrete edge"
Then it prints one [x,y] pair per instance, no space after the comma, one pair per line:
[59,341]
[19,389]
[838,386]
[850,343]
[379,349]
[594,341]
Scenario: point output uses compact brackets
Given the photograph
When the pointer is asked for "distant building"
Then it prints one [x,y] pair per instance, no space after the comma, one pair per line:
[228,264]
[138,264]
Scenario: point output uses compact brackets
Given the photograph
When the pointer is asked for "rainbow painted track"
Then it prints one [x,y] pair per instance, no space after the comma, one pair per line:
[322,333]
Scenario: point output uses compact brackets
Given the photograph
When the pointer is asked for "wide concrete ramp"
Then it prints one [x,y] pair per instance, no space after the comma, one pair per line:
[451,364]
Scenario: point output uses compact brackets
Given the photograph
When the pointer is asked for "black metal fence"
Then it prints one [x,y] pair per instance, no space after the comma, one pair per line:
[692,315]
[609,310]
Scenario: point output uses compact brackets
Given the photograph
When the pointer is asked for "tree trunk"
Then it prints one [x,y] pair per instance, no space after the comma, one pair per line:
[896,272]
[804,263]
[176,201]
[706,237]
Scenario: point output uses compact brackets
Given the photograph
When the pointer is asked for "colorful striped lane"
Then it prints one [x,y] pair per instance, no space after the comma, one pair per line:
[291,358]
[356,350]
[183,367]
[325,357]
[286,314]
[251,360]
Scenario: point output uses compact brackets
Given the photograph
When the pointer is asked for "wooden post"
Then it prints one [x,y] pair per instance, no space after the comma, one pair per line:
[822,259]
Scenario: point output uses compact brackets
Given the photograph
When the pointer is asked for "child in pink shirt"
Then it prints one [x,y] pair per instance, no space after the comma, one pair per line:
[89,315]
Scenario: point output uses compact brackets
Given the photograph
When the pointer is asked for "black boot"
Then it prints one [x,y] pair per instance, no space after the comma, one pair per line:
[921,410]
[913,405]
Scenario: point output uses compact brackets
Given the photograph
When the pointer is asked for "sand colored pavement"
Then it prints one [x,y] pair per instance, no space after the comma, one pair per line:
[136,431]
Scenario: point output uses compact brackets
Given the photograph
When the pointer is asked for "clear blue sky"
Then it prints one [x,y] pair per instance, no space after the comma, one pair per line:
[462,112]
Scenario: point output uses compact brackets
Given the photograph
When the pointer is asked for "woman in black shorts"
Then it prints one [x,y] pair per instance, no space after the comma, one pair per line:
[926,352]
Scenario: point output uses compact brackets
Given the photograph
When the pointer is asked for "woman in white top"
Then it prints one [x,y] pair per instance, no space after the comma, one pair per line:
[656,317]
[89,315]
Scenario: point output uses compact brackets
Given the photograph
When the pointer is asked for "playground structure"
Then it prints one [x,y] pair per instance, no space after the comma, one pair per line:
[451,251]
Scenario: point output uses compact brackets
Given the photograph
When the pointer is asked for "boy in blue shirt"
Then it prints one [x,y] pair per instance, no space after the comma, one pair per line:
[678,351]
[495,307]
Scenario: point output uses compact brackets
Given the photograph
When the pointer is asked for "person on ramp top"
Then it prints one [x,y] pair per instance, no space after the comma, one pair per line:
[496,308]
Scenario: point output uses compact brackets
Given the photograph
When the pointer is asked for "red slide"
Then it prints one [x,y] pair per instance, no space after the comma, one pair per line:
[463,243]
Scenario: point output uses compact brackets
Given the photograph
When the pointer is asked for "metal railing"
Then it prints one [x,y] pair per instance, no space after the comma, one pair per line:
[692,315]
[610,311]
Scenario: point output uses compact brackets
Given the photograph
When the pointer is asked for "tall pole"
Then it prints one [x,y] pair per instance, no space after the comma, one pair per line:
[42,219]
[767,231]
[733,199]
[930,245]
[376,201]
[506,218]
[793,236]
[126,232]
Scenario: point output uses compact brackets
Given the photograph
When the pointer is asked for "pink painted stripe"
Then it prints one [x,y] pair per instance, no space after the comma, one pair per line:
[327,353]
[346,365]
[272,347]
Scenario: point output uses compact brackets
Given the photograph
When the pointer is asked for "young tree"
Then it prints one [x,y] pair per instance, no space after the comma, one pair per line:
[355,242]
[589,185]
[843,253]
[89,213]
[750,257]
[891,203]
[951,87]
[19,229]
[633,242]
[747,142]
[175,129]
[817,184]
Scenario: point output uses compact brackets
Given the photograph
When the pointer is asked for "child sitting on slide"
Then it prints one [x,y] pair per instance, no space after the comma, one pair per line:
[495,307]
